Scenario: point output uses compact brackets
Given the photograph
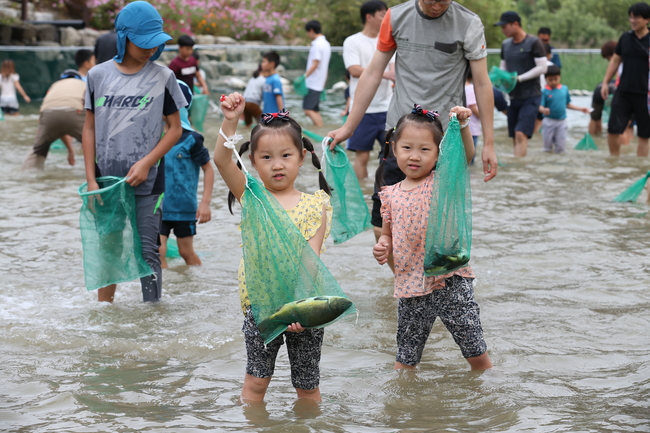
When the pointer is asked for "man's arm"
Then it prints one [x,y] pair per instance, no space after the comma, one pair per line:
[279,101]
[609,74]
[541,66]
[202,83]
[485,102]
[312,68]
[365,91]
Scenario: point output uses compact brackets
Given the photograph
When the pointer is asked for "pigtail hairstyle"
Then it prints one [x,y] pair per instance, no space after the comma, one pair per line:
[322,183]
[274,123]
[418,118]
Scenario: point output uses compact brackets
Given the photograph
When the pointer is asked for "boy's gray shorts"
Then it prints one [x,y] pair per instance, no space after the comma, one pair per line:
[554,133]
[304,351]
[458,310]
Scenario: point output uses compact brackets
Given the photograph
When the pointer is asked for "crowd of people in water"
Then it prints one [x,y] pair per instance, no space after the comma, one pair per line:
[402,94]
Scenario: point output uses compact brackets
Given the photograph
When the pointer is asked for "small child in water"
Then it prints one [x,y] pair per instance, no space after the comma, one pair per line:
[404,209]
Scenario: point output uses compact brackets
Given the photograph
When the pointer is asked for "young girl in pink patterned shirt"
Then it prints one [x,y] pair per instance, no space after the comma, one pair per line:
[405,210]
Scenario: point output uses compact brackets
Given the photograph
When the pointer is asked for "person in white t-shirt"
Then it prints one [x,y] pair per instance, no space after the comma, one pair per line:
[358,51]
[10,82]
[316,73]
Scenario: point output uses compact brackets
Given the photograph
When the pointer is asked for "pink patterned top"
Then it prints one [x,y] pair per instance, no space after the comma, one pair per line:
[407,212]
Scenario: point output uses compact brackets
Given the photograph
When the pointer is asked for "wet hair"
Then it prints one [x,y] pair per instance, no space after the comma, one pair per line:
[313,25]
[639,10]
[273,57]
[372,7]
[544,31]
[290,128]
[608,49]
[185,41]
[8,67]
[82,56]
[553,71]
[415,119]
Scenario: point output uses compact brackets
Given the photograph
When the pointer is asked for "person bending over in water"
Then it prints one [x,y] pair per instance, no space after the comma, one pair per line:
[278,151]
[415,142]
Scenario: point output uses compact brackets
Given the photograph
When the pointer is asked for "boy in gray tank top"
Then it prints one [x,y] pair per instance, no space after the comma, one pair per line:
[126,100]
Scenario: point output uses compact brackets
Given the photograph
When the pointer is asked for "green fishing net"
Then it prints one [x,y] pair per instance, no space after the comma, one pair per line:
[300,86]
[586,143]
[198,110]
[285,279]
[351,215]
[634,191]
[607,109]
[112,250]
[449,231]
[503,80]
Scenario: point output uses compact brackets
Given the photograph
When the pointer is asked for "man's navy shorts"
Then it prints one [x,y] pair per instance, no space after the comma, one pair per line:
[372,127]
[522,114]
[182,229]
[311,100]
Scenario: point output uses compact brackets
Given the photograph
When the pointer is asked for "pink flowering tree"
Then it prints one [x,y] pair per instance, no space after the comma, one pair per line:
[240,19]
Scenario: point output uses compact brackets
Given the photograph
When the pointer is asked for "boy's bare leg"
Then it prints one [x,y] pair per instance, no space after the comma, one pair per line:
[595,127]
[254,388]
[613,141]
[162,250]
[361,158]
[186,250]
[642,149]
[481,362]
[315,117]
[106,294]
[520,143]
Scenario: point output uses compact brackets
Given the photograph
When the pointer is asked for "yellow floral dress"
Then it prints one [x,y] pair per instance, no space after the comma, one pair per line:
[307,215]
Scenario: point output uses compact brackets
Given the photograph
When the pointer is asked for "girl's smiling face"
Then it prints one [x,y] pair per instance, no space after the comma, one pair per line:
[277,161]
[416,152]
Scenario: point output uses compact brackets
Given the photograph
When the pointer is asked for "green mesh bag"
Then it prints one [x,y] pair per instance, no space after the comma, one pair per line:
[300,86]
[198,110]
[351,215]
[449,231]
[503,80]
[607,109]
[285,279]
[634,191]
[586,143]
[112,250]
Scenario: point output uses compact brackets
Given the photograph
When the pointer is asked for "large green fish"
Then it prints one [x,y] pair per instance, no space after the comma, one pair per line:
[309,312]
[447,263]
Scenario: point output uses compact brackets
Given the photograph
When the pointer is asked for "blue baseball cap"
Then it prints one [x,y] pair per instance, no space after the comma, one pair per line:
[141,23]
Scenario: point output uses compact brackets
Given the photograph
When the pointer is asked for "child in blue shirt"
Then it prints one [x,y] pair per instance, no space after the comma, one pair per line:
[555,101]
[180,210]
[272,93]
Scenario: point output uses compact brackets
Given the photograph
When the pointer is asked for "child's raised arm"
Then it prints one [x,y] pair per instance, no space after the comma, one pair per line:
[463,114]
[232,107]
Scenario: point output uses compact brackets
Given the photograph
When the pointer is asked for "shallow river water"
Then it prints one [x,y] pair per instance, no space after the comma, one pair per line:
[562,279]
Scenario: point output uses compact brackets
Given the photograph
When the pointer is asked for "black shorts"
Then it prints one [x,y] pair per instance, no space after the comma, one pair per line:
[598,103]
[182,229]
[311,100]
[522,114]
[625,107]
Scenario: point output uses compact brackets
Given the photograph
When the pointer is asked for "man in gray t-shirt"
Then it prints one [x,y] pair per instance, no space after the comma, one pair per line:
[434,44]
[524,54]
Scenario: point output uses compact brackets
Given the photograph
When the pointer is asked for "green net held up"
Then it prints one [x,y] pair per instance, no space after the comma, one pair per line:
[503,80]
[112,250]
[634,191]
[285,279]
[351,215]
[198,110]
[449,231]
[586,143]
